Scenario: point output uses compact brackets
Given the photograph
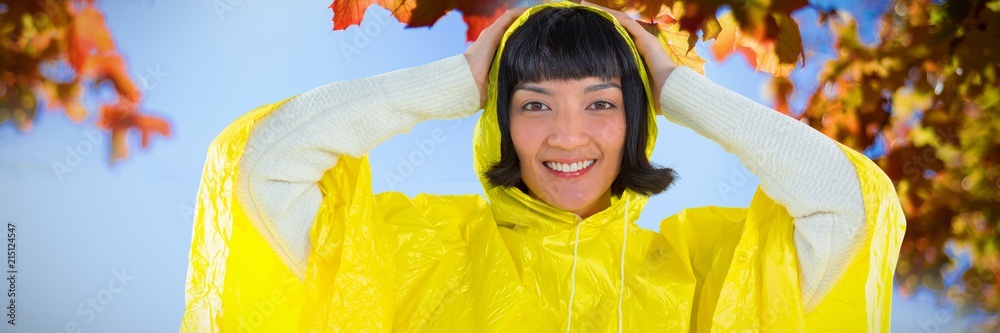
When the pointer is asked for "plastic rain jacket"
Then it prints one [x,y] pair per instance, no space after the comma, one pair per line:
[509,263]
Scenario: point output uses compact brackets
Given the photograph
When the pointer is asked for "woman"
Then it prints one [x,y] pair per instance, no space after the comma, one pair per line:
[290,237]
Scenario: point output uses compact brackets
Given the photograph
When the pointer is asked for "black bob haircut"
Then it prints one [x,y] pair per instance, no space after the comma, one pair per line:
[569,44]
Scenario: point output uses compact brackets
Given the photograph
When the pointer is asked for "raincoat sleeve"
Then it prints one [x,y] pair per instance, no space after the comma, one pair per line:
[798,167]
[812,210]
[745,262]
[287,186]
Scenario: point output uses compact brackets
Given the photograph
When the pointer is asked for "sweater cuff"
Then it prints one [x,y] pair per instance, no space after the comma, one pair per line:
[693,101]
[444,89]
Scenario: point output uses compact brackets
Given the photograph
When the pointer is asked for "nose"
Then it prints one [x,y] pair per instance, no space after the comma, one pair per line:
[569,130]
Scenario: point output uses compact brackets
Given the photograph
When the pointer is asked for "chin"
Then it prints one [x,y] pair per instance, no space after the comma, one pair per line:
[575,196]
[574,204]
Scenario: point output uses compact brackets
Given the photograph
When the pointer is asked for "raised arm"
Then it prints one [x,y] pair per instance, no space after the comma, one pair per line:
[799,167]
[287,153]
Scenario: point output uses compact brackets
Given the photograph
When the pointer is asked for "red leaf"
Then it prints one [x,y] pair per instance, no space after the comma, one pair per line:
[478,23]
[424,13]
[351,12]
[788,6]
[695,15]
[88,34]
[348,12]
[120,117]
[427,12]
[111,67]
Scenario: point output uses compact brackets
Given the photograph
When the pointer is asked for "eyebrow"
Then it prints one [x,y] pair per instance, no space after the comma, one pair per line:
[534,88]
[601,86]
[589,89]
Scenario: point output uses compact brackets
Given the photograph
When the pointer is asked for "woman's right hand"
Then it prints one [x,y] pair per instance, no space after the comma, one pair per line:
[658,62]
[480,54]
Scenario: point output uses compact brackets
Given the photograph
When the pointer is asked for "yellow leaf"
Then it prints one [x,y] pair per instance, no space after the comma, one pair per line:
[679,44]
[712,27]
[778,57]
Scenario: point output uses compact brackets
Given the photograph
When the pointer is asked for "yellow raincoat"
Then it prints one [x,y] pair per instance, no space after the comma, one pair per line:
[509,263]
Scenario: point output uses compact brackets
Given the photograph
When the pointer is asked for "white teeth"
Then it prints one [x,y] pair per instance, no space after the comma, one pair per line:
[572,167]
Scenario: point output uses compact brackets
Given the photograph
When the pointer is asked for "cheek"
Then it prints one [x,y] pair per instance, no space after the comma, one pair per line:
[525,136]
[611,134]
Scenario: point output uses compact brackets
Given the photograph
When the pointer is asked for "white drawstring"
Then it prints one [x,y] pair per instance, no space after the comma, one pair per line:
[572,276]
[621,289]
[572,279]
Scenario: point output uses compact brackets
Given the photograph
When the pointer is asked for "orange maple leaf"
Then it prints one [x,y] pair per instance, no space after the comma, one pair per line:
[478,14]
[120,117]
[111,67]
[87,34]
[350,12]
[777,56]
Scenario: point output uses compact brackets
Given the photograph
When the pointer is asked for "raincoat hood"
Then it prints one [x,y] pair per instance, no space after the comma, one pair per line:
[510,205]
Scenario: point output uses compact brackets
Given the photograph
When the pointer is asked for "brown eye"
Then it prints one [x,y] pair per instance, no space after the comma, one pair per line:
[534,106]
[602,105]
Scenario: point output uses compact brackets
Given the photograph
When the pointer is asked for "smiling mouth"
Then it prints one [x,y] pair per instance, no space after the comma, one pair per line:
[569,168]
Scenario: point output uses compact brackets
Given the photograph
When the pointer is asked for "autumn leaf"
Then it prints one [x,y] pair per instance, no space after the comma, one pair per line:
[778,56]
[66,96]
[88,34]
[400,9]
[478,23]
[121,117]
[782,55]
[350,12]
[678,43]
[711,29]
[477,14]
[696,13]
[649,10]
[781,88]
[726,43]
[111,67]
[788,6]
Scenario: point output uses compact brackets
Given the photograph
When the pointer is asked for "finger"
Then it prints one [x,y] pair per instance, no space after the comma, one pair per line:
[510,15]
[495,30]
[588,3]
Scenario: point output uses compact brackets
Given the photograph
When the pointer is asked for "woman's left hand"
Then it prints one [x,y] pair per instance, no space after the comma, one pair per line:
[480,53]
[657,60]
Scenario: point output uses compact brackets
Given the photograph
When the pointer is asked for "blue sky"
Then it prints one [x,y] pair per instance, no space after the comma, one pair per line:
[201,65]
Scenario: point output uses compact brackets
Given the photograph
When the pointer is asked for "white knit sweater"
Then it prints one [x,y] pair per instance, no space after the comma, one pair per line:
[800,168]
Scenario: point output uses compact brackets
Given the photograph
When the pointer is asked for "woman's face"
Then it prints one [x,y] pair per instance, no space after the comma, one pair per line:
[569,136]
